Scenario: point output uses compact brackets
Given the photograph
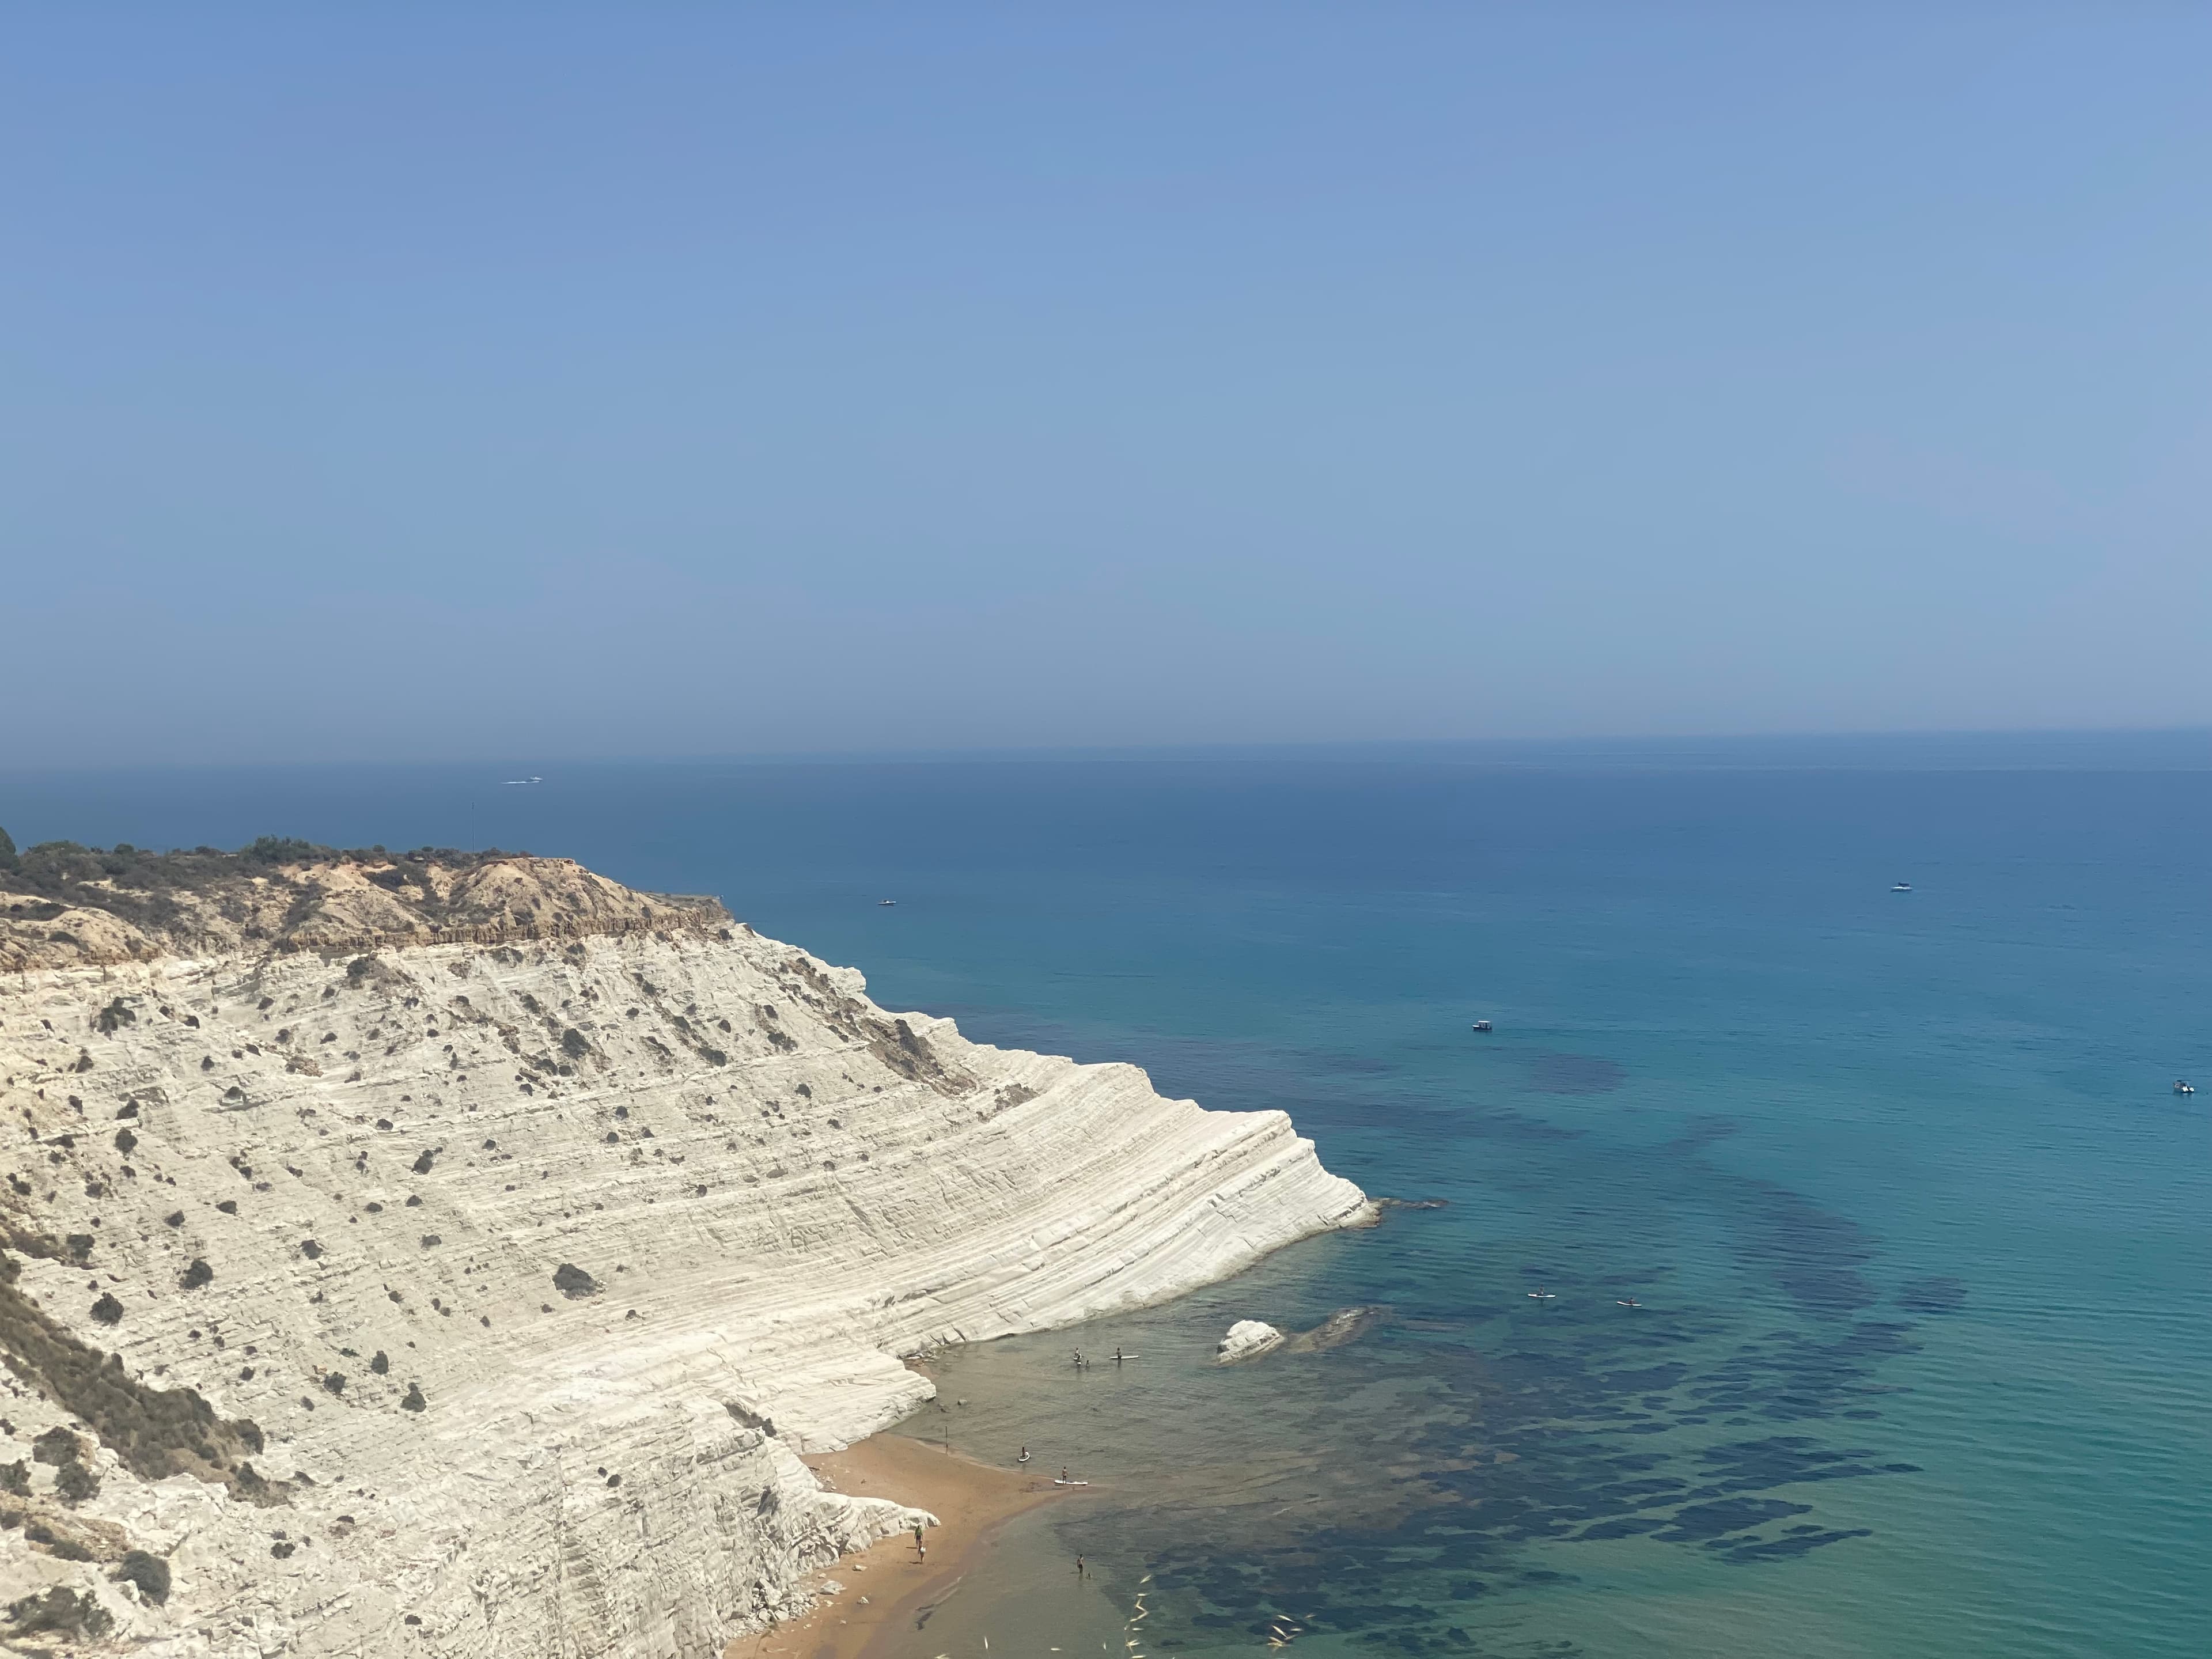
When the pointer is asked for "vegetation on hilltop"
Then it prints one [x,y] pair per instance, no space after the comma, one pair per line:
[62,904]
[142,886]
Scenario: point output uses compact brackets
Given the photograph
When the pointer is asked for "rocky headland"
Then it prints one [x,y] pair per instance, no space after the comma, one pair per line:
[452,1253]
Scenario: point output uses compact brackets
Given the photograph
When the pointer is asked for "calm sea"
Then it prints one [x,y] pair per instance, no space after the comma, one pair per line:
[1919,1231]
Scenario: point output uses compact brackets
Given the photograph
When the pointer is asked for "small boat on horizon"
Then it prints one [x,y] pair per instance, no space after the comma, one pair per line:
[1627,1302]
[1482,1025]
[1900,887]
[1540,1294]
[887,901]
[2182,1085]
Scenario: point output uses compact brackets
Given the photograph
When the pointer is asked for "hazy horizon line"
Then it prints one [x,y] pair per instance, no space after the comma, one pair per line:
[2060,745]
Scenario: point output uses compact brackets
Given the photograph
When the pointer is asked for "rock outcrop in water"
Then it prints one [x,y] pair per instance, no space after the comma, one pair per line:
[1247,1339]
[451,1255]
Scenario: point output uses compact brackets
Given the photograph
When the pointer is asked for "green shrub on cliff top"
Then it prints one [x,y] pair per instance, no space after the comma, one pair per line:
[282,849]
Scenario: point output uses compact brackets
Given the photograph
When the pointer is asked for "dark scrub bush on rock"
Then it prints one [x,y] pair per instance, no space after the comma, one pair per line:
[149,1572]
[573,1282]
[62,1610]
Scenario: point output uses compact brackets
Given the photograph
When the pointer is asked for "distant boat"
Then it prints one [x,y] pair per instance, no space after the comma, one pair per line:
[1482,1025]
[1900,887]
[1628,1302]
[1540,1294]
[524,780]
[2182,1085]
[887,901]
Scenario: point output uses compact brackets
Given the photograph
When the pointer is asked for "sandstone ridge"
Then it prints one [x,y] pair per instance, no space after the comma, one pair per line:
[455,1261]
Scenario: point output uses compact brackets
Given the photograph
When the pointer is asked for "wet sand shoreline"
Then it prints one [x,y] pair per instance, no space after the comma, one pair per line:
[971,1500]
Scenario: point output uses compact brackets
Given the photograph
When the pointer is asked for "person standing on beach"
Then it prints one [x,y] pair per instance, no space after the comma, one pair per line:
[919,1550]
[1079,1566]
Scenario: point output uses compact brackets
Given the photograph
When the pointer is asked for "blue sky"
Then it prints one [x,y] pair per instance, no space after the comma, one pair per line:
[416,381]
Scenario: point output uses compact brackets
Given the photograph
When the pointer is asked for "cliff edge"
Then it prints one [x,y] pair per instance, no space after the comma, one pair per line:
[450,1254]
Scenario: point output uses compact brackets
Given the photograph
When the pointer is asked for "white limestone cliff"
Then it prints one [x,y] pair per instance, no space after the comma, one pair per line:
[383,1133]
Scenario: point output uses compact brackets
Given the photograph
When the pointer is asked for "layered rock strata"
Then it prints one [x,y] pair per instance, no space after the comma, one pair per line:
[458,1264]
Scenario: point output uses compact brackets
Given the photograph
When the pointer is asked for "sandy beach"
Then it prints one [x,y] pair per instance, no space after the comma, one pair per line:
[886,1587]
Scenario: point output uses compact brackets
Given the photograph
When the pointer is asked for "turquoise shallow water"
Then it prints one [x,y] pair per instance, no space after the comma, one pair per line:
[1920,1231]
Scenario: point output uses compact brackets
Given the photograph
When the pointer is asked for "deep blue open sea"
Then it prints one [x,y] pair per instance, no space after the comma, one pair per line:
[1922,1236]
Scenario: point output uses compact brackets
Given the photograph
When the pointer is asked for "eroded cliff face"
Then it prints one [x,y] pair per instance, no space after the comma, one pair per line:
[476,1297]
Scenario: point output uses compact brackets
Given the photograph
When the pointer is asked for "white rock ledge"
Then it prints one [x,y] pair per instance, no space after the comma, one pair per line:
[1247,1339]
[778,1189]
